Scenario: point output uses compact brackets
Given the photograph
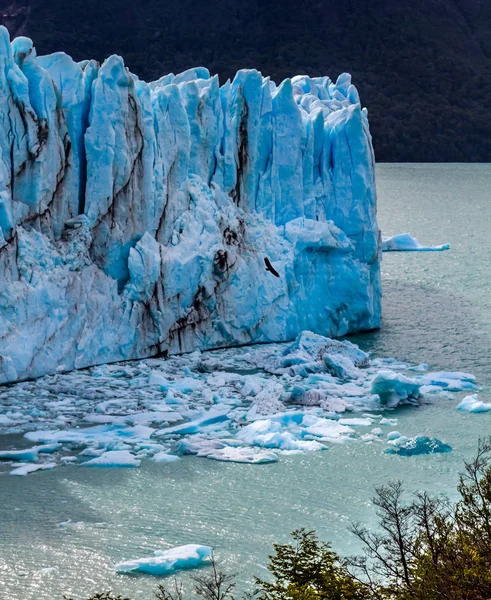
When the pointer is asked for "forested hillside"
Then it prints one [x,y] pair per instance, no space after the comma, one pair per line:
[423,67]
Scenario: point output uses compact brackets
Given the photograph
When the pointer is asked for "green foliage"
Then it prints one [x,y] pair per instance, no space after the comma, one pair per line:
[428,549]
[308,570]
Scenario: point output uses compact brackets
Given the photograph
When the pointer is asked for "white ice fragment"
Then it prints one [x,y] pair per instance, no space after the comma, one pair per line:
[27,468]
[114,458]
[386,421]
[472,404]
[166,562]
[242,455]
[356,422]
[404,242]
[450,381]
[395,388]
[164,457]
[211,418]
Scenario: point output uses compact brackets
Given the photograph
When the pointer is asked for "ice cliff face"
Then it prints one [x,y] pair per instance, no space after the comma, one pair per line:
[136,218]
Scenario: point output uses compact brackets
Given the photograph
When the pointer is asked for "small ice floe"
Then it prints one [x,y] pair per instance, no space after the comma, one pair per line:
[267,433]
[71,524]
[29,454]
[165,562]
[472,404]
[404,242]
[114,459]
[87,435]
[23,470]
[243,454]
[450,381]
[387,421]
[356,422]
[48,570]
[417,445]
[208,418]
[164,457]
[395,388]
[225,451]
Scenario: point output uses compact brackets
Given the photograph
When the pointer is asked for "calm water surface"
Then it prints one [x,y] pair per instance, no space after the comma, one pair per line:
[437,309]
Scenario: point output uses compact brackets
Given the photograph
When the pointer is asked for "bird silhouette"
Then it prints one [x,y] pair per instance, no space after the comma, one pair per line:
[270,268]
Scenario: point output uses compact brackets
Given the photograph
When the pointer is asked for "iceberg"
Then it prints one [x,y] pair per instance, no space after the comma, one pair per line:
[395,388]
[114,459]
[28,454]
[418,445]
[25,469]
[137,219]
[404,242]
[166,562]
[472,404]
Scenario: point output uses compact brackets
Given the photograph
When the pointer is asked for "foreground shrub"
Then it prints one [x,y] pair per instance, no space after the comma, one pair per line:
[429,549]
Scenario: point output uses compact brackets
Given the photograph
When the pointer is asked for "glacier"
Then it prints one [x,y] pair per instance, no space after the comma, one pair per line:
[136,218]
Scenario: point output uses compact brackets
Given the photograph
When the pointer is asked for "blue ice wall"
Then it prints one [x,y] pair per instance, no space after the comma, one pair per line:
[136,217]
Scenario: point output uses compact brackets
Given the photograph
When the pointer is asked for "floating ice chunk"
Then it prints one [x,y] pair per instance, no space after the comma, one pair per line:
[185,385]
[48,570]
[68,459]
[267,433]
[393,435]
[23,470]
[164,457]
[312,353]
[166,562]
[404,242]
[6,421]
[29,454]
[86,435]
[114,458]
[242,455]
[472,404]
[451,381]
[386,421]
[329,431]
[209,418]
[395,388]
[356,422]
[69,524]
[418,445]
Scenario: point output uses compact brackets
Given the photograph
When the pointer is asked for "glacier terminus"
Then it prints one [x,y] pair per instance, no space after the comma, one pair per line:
[137,218]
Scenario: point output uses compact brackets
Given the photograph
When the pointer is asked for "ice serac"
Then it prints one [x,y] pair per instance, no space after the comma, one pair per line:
[136,218]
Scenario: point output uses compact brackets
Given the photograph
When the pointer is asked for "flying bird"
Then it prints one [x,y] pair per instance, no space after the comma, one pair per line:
[270,268]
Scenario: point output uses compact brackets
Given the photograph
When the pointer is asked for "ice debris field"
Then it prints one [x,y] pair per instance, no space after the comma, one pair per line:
[247,405]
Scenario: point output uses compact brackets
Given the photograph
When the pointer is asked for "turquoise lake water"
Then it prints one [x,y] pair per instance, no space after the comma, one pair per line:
[437,310]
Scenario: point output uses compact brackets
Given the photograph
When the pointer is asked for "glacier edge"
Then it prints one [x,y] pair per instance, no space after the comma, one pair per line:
[136,217]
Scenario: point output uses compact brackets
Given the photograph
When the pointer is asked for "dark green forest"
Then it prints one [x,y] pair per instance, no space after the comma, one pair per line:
[423,67]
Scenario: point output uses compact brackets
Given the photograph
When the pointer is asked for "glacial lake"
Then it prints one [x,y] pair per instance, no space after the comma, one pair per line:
[437,310]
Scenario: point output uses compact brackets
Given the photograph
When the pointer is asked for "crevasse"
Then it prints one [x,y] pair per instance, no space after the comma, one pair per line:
[136,217]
